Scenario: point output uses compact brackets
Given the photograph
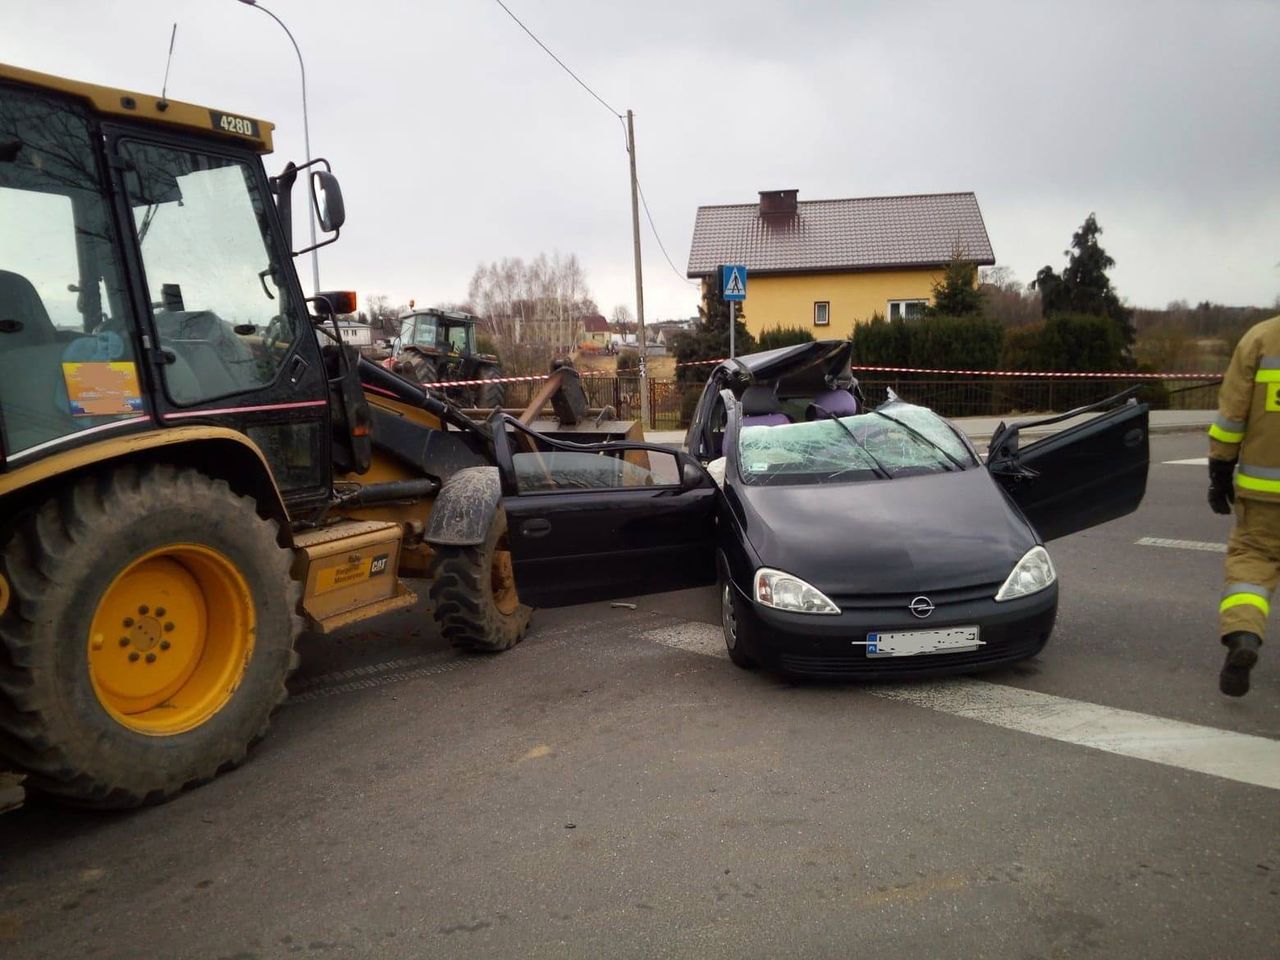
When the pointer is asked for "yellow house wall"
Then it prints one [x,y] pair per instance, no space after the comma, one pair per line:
[788,300]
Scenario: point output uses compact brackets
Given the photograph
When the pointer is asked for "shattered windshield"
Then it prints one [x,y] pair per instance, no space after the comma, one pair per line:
[896,440]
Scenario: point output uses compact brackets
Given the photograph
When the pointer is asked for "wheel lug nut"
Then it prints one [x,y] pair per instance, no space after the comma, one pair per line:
[164,644]
[159,611]
[151,658]
[133,657]
[124,641]
[168,627]
[143,610]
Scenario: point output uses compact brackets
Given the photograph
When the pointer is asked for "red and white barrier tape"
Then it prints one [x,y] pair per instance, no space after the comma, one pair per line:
[1076,375]
[1028,374]
[1081,375]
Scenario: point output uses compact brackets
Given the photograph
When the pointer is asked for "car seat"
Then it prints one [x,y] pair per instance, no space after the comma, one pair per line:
[760,407]
[840,403]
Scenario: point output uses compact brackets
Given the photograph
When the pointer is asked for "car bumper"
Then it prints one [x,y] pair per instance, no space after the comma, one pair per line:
[833,647]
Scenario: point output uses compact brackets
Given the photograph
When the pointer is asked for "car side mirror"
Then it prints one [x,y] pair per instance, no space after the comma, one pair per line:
[327,194]
[692,474]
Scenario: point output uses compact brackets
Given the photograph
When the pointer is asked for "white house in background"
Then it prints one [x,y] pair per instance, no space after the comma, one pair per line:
[355,333]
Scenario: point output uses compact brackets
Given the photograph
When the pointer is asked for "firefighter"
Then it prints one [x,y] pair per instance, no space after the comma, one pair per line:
[1244,470]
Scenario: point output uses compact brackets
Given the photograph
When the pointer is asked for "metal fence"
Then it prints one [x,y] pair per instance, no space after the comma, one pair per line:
[666,397]
[1001,396]
[671,402]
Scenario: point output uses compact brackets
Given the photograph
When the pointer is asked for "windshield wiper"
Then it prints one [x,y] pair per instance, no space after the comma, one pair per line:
[956,464]
[877,468]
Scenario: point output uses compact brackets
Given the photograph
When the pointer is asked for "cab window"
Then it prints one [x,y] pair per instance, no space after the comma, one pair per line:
[456,339]
[67,355]
[220,305]
[424,332]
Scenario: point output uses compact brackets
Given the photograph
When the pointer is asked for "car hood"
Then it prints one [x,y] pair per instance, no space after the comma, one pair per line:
[910,534]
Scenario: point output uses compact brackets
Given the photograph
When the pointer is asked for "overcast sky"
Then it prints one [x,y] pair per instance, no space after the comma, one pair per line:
[458,141]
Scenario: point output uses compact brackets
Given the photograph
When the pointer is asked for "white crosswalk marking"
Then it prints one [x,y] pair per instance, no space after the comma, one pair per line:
[1188,746]
[1204,545]
[1192,462]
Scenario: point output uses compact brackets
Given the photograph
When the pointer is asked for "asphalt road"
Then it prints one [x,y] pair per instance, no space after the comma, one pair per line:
[597,793]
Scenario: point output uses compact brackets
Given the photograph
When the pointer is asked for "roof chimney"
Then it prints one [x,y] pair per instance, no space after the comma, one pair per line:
[778,205]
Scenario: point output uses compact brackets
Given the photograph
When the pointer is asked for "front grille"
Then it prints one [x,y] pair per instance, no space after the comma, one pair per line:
[899,601]
[862,666]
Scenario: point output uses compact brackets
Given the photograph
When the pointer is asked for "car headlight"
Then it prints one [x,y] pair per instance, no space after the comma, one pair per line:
[782,591]
[1032,574]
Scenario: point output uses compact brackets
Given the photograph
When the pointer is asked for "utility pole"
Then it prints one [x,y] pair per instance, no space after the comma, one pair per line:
[645,418]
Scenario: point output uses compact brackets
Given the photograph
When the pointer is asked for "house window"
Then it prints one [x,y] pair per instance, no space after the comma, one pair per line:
[821,313]
[906,309]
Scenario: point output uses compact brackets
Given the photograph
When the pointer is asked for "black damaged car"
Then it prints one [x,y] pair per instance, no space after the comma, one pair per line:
[846,540]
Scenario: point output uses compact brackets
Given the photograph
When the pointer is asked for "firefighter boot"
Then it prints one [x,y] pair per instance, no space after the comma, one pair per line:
[1242,654]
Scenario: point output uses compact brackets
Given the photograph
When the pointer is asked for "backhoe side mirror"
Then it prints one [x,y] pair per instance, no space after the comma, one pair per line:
[327,193]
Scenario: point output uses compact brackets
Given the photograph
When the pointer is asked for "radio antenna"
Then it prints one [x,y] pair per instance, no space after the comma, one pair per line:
[165,86]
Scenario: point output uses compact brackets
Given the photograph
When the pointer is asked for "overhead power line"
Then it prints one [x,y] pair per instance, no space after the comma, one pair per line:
[564,66]
[656,236]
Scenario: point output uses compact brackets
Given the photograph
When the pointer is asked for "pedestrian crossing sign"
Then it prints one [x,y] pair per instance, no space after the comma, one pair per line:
[733,282]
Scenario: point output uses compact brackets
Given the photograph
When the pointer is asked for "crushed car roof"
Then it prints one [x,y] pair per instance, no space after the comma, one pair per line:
[799,368]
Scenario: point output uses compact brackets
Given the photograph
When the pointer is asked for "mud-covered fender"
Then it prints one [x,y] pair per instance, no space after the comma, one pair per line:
[465,507]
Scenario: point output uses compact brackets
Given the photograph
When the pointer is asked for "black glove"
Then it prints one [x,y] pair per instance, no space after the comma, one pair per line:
[1222,489]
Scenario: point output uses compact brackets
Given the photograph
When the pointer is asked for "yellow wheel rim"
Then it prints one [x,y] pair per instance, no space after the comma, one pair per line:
[171,638]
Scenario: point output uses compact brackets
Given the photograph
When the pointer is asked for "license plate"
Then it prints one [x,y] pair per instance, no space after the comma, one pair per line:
[909,643]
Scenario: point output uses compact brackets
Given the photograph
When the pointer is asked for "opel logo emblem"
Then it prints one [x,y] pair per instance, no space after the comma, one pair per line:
[921,607]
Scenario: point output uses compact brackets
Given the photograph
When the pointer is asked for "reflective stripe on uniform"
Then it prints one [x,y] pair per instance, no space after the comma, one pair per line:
[1262,479]
[1266,375]
[1240,599]
[1269,363]
[1226,434]
[1254,588]
[1251,594]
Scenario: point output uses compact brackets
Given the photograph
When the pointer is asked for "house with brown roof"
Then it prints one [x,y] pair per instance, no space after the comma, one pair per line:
[830,264]
[595,330]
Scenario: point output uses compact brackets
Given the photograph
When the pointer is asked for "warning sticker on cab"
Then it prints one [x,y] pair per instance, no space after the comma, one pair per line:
[99,389]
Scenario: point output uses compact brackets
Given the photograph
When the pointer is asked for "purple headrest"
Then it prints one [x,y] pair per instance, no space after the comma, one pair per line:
[838,402]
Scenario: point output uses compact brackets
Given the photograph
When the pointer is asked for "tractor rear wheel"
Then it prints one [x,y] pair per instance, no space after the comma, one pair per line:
[473,593]
[148,638]
[493,391]
[421,370]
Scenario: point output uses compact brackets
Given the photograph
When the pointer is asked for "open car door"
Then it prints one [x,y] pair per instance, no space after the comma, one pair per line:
[595,521]
[1085,475]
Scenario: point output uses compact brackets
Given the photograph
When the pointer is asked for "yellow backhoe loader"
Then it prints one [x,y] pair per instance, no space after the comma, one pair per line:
[194,468]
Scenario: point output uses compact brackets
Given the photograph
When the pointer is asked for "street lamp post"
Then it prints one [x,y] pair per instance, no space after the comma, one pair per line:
[306,140]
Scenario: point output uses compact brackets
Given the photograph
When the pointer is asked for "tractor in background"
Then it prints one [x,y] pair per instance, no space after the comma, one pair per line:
[439,346]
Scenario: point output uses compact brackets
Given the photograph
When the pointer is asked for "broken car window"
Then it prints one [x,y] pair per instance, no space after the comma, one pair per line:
[821,450]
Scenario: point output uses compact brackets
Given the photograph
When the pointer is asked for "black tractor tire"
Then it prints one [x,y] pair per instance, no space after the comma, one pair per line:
[473,599]
[492,393]
[64,562]
[420,369]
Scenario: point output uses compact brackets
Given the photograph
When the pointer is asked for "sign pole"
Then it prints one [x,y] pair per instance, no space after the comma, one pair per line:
[733,324]
[733,287]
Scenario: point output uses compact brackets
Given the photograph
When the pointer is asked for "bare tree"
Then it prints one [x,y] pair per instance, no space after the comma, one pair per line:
[540,303]
[382,315]
[624,318]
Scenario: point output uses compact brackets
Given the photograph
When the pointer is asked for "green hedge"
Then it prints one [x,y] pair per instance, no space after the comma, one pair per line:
[939,343]
[781,336]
